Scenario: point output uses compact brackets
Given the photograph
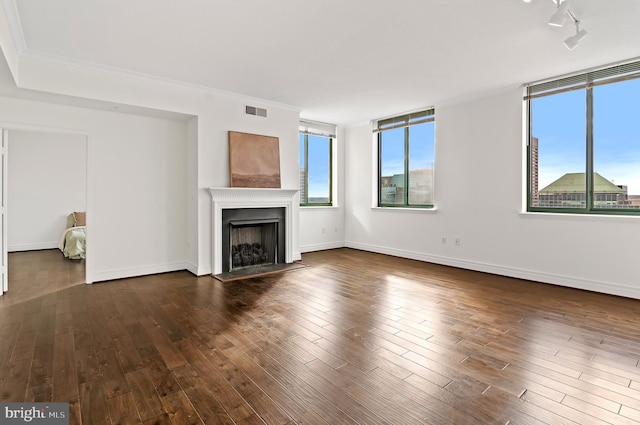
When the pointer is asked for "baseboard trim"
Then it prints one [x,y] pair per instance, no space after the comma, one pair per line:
[532,275]
[321,246]
[135,272]
[297,256]
[192,268]
[198,271]
[32,246]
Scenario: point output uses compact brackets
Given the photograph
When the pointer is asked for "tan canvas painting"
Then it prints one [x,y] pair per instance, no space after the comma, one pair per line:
[254,160]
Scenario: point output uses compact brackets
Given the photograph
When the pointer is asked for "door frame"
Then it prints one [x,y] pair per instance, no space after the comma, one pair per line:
[6,129]
[4,264]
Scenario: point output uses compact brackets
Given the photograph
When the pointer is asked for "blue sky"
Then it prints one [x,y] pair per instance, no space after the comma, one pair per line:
[559,123]
[421,155]
[318,183]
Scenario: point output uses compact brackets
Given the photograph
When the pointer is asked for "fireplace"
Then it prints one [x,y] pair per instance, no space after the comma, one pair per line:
[252,237]
[249,205]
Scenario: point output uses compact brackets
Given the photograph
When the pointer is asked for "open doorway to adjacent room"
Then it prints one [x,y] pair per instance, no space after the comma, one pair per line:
[46,203]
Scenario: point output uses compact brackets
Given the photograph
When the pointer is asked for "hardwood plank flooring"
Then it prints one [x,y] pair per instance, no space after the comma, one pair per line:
[33,274]
[354,337]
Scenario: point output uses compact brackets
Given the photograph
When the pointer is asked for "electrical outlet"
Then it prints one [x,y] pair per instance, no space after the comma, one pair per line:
[444,240]
[457,241]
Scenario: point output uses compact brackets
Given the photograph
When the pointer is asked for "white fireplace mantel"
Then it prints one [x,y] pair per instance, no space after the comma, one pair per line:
[239,197]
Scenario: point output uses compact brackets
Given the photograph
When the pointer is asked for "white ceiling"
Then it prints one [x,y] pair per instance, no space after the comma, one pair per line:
[340,61]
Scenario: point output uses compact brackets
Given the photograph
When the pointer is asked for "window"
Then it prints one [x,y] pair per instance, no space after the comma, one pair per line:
[406,160]
[584,142]
[316,170]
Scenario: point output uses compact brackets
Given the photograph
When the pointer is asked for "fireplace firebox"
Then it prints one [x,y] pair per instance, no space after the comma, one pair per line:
[252,237]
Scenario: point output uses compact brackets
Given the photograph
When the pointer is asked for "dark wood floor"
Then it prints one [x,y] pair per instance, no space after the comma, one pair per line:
[353,338]
[33,274]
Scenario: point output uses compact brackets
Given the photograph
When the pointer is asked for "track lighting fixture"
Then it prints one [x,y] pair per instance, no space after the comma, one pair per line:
[559,17]
[573,41]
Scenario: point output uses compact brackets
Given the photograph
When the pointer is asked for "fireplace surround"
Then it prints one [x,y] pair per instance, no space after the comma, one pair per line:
[252,237]
[250,199]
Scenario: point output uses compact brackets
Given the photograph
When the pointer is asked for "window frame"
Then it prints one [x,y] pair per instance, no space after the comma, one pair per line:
[307,130]
[405,121]
[580,81]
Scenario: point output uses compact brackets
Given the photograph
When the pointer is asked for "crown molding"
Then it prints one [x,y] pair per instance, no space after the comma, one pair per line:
[34,55]
[15,26]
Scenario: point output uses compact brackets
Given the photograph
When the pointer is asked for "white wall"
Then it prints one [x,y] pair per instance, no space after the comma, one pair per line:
[216,112]
[192,195]
[47,180]
[479,192]
[218,116]
[136,206]
[206,155]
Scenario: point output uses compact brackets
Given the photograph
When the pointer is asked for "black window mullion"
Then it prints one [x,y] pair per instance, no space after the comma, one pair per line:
[594,202]
[406,122]
[406,166]
[306,168]
[319,138]
[380,169]
[589,169]
[330,162]
[529,136]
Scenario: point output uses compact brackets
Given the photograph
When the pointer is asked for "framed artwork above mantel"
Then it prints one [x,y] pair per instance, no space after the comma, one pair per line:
[254,160]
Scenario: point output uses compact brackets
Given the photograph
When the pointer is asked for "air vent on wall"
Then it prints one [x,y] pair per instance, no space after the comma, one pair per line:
[252,110]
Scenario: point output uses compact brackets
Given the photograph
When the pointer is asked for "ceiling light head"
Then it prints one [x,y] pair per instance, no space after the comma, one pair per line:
[573,41]
[557,19]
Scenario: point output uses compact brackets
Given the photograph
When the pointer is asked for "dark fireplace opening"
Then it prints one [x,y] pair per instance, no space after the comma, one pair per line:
[253,243]
[252,237]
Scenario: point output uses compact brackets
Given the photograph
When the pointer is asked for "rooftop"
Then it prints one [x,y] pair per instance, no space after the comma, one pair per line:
[575,183]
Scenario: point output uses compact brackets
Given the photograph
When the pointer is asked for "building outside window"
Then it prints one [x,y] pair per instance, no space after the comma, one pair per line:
[584,142]
[316,163]
[406,148]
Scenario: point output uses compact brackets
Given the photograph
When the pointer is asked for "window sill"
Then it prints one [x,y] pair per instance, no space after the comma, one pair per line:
[585,217]
[407,210]
[319,207]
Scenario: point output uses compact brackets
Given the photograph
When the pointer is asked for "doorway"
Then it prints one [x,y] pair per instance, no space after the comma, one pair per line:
[46,182]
